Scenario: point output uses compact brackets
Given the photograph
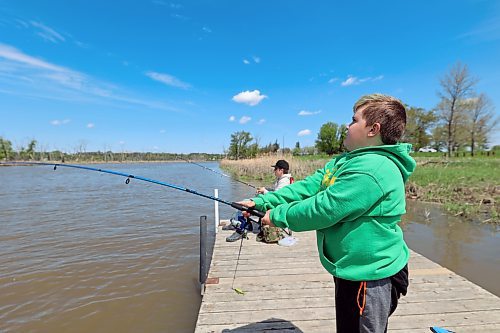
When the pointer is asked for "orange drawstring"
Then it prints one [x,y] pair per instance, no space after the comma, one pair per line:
[362,285]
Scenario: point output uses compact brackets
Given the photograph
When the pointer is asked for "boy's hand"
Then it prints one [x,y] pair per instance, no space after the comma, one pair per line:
[266,220]
[261,190]
[246,203]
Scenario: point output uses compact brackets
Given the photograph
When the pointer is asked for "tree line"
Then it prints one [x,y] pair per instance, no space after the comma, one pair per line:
[30,153]
[463,120]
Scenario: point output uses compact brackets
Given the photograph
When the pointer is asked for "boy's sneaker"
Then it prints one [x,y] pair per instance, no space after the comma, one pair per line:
[234,237]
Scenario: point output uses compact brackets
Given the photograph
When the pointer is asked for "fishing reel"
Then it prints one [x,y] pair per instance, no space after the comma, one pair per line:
[244,224]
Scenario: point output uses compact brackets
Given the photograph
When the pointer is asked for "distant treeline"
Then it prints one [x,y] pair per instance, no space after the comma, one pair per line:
[31,153]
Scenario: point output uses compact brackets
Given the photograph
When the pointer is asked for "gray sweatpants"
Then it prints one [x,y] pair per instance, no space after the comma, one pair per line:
[377,306]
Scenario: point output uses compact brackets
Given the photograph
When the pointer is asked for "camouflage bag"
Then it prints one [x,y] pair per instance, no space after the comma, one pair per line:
[269,234]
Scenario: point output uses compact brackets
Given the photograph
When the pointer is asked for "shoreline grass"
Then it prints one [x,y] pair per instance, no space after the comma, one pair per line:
[465,186]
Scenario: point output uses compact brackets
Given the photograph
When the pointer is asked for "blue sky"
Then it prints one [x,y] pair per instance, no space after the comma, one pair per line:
[181,76]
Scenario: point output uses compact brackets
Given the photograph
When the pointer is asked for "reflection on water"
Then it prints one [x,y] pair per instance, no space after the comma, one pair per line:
[469,249]
[82,251]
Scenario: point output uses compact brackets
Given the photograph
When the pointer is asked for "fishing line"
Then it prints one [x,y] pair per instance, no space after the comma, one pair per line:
[219,173]
[238,290]
[235,205]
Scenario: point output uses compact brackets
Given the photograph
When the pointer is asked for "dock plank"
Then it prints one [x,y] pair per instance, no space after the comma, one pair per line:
[287,289]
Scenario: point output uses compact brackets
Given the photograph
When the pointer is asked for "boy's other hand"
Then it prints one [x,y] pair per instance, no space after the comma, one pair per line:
[261,190]
[246,203]
[266,220]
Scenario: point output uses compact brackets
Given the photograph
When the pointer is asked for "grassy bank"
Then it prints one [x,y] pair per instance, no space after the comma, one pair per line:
[469,187]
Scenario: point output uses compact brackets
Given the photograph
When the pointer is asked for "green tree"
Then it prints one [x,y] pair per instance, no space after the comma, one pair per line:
[343,133]
[296,151]
[270,148]
[30,151]
[253,150]
[5,149]
[330,138]
[418,124]
[238,148]
[439,141]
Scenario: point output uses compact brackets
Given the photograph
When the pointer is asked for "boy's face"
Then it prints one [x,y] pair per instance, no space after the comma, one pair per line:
[278,172]
[358,133]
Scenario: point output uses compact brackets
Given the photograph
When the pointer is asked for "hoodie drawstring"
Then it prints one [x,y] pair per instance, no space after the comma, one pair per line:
[361,307]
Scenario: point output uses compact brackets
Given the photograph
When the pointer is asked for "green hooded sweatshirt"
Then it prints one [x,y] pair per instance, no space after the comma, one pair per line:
[355,204]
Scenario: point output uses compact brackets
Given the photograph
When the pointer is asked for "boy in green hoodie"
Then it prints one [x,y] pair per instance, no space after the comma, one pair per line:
[355,204]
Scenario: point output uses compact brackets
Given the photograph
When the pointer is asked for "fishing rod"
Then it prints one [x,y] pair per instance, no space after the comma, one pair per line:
[219,173]
[235,205]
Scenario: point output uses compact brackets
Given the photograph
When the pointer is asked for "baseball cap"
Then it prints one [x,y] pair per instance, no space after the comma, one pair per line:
[282,164]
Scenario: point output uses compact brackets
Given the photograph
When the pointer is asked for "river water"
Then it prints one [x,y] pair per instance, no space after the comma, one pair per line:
[82,251]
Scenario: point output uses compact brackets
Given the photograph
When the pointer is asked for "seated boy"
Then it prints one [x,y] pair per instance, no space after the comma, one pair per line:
[283,178]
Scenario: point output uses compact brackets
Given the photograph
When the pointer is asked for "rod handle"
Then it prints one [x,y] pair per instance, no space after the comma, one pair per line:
[250,210]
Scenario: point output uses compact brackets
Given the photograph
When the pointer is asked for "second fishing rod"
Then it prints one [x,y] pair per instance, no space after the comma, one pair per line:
[219,173]
[149,180]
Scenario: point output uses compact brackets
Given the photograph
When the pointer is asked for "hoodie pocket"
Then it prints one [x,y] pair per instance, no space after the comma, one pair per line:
[327,264]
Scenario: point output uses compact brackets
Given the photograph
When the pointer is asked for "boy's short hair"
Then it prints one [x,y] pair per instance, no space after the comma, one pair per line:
[386,110]
[282,164]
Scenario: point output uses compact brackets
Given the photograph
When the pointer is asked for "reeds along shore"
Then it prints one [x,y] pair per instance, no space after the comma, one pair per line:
[260,169]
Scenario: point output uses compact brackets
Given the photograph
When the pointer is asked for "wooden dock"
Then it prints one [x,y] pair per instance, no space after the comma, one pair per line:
[286,289]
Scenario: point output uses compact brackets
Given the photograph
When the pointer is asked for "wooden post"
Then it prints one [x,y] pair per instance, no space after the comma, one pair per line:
[216,213]
[203,252]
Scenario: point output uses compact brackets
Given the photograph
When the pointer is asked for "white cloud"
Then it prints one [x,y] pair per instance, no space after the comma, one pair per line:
[180,17]
[11,53]
[304,132]
[47,33]
[57,122]
[169,4]
[488,30]
[308,113]
[82,44]
[168,80]
[30,76]
[90,125]
[333,79]
[45,70]
[251,98]
[353,80]
[261,121]
[232,118]
[255,59]
[23,23]
[206,29]
[245,119]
